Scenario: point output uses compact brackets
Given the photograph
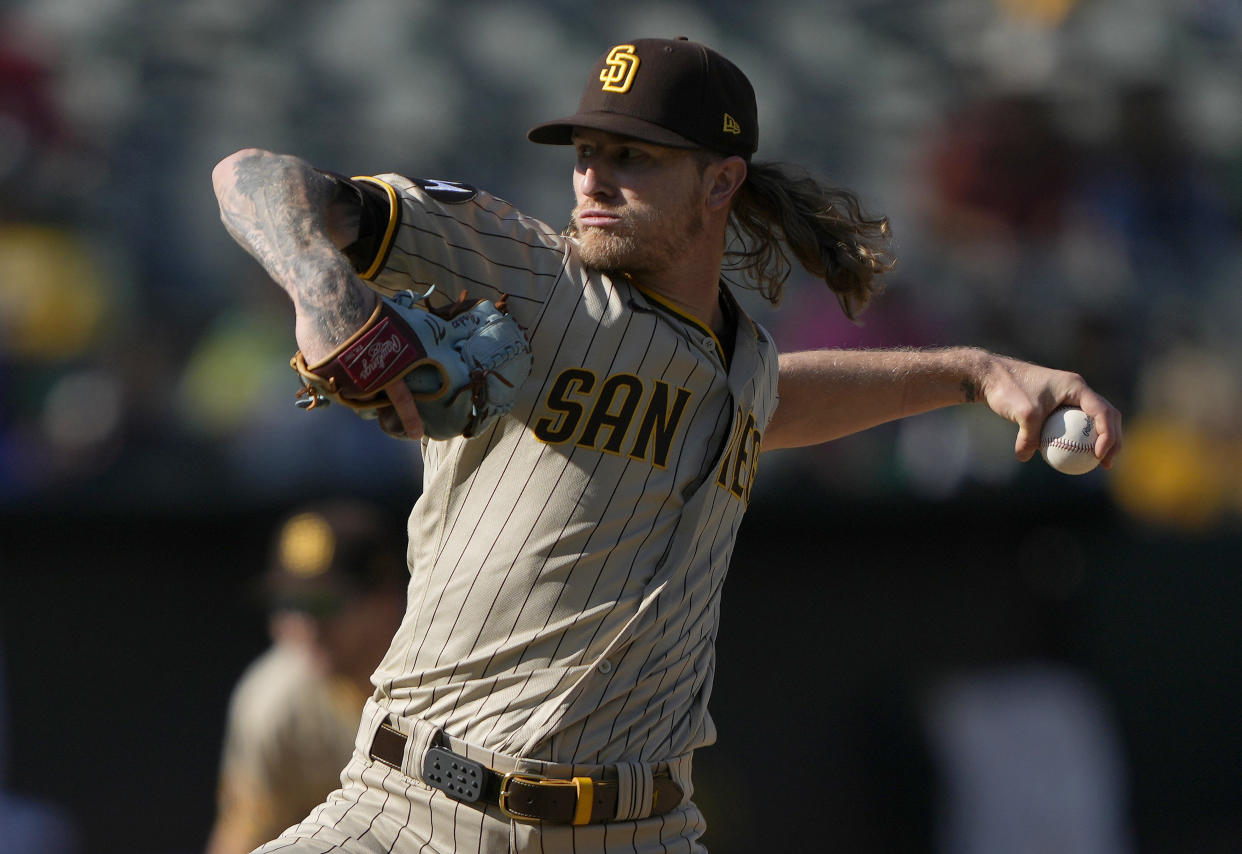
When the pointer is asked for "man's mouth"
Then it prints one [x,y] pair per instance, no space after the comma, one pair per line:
[594,217]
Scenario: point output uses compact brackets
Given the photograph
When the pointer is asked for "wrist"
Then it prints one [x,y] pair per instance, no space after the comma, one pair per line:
[974,365]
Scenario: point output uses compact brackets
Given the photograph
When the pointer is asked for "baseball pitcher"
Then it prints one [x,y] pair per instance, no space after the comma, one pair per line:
[592,407]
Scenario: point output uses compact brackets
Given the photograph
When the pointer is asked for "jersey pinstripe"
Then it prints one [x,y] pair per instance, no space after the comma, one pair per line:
[567,565]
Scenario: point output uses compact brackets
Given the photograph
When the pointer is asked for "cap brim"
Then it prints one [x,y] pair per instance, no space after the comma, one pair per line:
[561,131]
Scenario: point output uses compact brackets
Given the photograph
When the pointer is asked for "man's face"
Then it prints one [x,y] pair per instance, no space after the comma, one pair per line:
[638,205]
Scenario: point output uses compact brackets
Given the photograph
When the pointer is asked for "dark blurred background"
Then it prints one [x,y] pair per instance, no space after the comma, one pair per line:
[926,646]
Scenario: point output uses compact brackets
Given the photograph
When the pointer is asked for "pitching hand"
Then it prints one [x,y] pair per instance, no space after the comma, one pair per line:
[1026,394]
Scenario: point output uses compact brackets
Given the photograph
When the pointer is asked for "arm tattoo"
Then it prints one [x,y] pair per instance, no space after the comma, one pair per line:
[274,208]
[970,391]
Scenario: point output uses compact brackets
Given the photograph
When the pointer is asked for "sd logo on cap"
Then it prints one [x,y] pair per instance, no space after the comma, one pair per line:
[670,92]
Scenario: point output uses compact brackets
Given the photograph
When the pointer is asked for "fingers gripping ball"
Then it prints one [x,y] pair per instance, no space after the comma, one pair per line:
[463,364]
[1067,441]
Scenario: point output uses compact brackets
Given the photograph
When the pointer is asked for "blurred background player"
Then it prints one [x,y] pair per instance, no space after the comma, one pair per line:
[335,589]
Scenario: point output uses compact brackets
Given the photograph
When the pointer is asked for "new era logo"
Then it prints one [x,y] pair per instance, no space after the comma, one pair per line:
[731,125]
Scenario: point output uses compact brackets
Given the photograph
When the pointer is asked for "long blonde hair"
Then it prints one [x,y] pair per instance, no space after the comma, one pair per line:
[781,211]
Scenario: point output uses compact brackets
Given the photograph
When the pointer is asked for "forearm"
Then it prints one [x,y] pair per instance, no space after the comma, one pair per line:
[278,209]
[827,394]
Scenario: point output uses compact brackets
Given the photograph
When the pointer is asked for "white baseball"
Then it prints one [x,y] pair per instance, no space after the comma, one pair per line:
[1067,442]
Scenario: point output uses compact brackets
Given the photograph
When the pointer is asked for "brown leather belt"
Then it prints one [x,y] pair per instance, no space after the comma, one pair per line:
[525,797]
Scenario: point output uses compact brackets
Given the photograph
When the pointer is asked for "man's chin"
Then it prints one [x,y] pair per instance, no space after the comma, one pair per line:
[602,252]
[610,272]
[608,266]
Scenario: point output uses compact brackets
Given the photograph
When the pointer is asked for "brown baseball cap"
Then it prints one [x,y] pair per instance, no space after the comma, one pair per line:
[670,92]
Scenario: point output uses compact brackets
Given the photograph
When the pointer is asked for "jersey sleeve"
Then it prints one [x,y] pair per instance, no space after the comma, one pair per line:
[455,238]
[374,211]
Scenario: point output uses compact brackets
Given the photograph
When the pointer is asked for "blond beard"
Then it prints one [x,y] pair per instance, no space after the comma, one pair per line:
[635,253]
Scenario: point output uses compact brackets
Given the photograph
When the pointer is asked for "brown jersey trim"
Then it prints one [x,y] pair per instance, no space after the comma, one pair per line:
[682,314]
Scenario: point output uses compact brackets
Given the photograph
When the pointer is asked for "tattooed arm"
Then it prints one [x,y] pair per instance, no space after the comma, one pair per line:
[281,211]
[827,394]
[292,219]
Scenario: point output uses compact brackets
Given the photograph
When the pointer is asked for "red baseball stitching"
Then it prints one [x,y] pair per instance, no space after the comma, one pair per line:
[1069,446]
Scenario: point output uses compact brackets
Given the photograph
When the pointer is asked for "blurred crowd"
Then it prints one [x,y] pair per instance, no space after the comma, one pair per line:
[1064,180]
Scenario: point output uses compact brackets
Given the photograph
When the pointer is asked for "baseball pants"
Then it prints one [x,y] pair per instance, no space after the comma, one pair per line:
[380,809]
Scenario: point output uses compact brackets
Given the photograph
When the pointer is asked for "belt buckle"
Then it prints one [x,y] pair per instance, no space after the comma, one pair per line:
[504,793]
[583,788]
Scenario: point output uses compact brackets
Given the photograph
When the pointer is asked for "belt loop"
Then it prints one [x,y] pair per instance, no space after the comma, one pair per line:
[634,790]
[422,736]
[681,769]
[584,787]
[372,716]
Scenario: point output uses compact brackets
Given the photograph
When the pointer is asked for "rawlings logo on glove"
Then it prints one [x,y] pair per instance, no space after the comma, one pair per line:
[378,355]
[463,364]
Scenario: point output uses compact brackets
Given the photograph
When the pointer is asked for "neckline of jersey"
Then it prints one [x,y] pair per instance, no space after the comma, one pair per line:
[687,317]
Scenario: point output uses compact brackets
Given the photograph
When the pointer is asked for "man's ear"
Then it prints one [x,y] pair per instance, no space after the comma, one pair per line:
[725,177]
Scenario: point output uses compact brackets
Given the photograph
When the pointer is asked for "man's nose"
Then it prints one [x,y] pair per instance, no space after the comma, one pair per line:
[594,182]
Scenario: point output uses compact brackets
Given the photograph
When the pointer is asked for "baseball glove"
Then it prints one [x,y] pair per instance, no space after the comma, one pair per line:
[463,364]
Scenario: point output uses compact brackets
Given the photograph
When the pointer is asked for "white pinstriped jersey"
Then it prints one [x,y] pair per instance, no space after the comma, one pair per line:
[567,564]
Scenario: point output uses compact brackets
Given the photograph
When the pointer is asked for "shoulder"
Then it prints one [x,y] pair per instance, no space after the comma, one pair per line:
[764,365]
[754,334]
[459,238]
[462,201]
